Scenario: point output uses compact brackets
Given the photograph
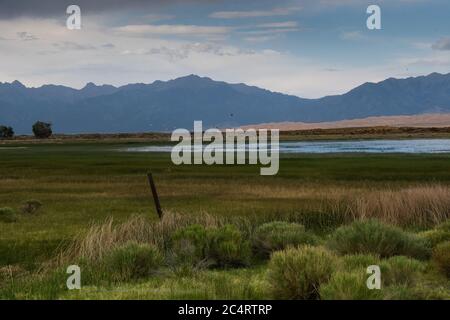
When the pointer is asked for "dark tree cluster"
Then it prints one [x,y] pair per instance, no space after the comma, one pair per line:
[42,130]
[6,132]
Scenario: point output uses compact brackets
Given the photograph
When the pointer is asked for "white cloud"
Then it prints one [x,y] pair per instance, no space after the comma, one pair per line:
[442,44]
[284,24]
[254,13]
[148,29]
[352,35]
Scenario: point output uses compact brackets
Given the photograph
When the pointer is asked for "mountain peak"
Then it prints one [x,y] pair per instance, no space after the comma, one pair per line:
[89,85]
[192,77]
[17,84]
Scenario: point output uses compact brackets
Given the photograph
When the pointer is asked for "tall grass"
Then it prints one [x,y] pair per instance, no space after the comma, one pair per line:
[420,206]
[102,238]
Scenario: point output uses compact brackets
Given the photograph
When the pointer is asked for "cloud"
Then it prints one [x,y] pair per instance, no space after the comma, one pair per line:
[284,24]
[352,35]
[25,36]
[166,29]
[185,51]
[108,45]
[50,8]
[69,45]
[257,39]
[254,13]
[442,44]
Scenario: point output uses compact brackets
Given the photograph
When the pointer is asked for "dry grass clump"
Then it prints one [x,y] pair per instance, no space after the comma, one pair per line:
[102,238]
[414,206]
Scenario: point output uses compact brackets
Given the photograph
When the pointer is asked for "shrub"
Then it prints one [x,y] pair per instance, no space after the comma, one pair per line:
[7,215]
[437,235]
[359,262]
[224,246]
[434,237]
[278,235]
[377,238]
[298,273]
[132,261]
[31,206]
[351,285]
[190,245]
[401,270]
[441,257]
[42,130]
[228,247]
[417,292]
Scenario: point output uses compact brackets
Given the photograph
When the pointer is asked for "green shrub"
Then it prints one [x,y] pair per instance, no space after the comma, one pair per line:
[434,237]
[358,262]
[445,226]
[190,245]
[278,235]
[31,206]
[351,285]
[401,270]
[298,273]
[417,292]
[441,257]
[437,235]
[377,238]
[7,215]
[228,247]
[132,261]
[220,247]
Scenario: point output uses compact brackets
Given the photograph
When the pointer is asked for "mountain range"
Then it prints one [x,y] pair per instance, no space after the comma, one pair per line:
[166,105]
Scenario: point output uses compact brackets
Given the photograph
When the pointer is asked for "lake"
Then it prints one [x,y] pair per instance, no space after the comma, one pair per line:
[347,146]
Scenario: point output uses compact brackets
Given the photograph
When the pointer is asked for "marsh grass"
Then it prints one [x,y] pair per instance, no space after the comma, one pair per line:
[84,185]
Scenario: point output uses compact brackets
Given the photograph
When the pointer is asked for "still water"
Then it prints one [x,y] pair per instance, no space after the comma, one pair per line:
[348,146]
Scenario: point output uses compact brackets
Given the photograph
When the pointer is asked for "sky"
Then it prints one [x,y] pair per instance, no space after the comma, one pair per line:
[308,48]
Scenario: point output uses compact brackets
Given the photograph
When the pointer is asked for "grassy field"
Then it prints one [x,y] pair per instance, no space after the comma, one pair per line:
[81,184]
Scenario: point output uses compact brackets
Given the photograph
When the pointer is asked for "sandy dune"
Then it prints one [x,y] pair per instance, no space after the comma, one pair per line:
[437,120]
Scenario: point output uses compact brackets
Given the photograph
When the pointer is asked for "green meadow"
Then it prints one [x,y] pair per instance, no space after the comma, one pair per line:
[89,192]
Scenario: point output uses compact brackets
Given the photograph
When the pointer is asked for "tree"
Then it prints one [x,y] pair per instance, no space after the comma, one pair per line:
[6,132]
[42,130]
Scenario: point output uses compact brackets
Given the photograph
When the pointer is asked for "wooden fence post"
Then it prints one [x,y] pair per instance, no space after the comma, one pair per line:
[155,195]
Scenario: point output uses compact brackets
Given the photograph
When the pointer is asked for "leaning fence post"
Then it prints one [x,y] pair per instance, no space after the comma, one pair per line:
[155,195]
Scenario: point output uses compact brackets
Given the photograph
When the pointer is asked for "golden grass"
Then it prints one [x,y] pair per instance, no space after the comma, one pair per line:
[101,238]
[413,206]
[417,206]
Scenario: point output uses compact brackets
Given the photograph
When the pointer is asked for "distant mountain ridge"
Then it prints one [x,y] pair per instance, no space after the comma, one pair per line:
[166,105]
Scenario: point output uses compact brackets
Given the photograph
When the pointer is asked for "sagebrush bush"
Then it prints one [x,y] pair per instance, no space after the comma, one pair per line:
[7,215]
[132,261]
[401,270]
[222,247]
[358,262]
[377,238]
[441,257]
[228,247]
[348,285]
[298,273]
[278,235]
[190,245]
[417,292]
[437,235]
